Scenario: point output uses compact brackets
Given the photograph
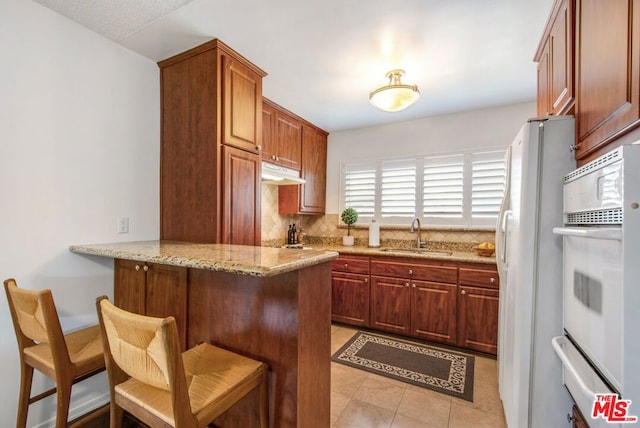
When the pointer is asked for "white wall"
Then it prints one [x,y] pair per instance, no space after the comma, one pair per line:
[79,146]
[488,128]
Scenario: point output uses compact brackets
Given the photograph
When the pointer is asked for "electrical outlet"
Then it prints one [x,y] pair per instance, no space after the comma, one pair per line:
[123,224]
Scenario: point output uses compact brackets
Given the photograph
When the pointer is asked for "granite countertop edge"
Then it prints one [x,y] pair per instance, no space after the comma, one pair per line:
[455,256]
[126,250]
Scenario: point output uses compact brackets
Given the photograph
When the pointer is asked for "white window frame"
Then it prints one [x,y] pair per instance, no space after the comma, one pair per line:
[465,221]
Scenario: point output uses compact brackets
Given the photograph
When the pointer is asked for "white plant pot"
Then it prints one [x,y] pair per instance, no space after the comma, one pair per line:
[347,241]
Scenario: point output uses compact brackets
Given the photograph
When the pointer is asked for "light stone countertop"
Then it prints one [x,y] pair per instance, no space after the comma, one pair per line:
[239,259]
[423,254]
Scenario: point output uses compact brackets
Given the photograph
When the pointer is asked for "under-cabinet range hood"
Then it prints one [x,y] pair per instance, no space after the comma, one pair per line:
[275,174]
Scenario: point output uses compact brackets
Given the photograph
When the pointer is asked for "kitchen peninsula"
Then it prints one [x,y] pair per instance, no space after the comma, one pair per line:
[267,303]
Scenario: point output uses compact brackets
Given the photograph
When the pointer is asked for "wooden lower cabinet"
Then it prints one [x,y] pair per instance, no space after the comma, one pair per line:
[577,418]
[391,304]
[154,290]
[478,301]
[350,298]
[433,311]
[452,303]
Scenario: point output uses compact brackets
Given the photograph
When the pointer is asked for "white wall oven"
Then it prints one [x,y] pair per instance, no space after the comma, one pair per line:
[600,351]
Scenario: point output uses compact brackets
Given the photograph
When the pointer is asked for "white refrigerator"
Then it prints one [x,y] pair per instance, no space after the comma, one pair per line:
[529,258]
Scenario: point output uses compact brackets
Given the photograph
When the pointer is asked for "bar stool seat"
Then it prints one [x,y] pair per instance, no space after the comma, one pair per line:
[152,380]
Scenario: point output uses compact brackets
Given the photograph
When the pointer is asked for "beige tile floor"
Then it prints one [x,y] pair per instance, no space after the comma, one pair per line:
[363,400]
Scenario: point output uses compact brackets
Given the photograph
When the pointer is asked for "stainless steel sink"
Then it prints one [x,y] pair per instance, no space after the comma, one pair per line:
[425,251]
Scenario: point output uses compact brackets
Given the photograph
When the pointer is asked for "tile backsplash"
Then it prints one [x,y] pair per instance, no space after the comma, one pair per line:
[324,229]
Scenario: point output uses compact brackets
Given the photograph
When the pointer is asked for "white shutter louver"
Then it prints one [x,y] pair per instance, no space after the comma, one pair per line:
[487,184]
[398,185]
[443,187]
[360,188]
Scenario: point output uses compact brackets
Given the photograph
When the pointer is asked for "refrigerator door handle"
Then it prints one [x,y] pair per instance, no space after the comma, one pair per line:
[612,234]
[504,229]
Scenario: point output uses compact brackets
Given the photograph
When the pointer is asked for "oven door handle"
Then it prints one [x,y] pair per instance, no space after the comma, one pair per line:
[611,234]
[566,362]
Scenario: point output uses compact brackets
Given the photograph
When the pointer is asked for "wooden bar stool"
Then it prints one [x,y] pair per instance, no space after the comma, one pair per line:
[67,359]
[153,381]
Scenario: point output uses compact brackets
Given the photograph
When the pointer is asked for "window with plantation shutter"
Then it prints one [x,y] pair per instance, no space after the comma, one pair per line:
[463,189]
[398,189]
[359,188]
[443,187]
[487,185]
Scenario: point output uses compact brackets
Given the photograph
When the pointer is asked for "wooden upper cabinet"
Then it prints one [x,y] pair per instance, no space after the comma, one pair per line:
[555,58]
[242,97]
[310,197]
[211,97]
[608,73]
[281,136]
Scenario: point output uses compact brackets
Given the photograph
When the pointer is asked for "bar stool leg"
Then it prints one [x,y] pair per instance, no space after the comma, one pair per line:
[26,379]
[115,416]
[63,399]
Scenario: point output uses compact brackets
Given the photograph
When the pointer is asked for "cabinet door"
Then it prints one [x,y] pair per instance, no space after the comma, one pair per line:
[129,288]
[478,319]
[166,295]
[561,56]
[241,197]
[544,82]
[242,112]
[350,298]
[288,140]
[390,304]
[269,146]
[310,197]
[608,72]
[433,311]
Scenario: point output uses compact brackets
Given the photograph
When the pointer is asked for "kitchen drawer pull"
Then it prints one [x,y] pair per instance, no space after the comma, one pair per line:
[413,286]
[492,280]
[145,268]
[410,271]
[346,265]
[463,292]
[366,280]
[137,267]
[406,284]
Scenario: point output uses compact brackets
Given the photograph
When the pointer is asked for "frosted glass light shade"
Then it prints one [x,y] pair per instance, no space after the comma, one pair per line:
[395,96]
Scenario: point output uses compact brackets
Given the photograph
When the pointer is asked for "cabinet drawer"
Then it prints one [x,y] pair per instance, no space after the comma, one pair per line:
[351,264]
[415,270]
[479,277]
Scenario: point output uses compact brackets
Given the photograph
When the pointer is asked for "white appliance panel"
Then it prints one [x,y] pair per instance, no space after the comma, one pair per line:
[529,260]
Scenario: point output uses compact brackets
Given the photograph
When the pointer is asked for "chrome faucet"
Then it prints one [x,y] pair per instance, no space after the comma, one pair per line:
[419,242]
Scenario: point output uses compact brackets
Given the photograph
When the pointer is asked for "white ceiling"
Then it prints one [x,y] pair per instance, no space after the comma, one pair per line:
[324,57]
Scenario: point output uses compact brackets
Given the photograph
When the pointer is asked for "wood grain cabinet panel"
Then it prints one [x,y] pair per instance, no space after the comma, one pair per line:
[153,289]
[241,196]
[478,298]
[310,197]
[555,58]
[433,311]
[281,136]
[390,304]
[350,298]
[608,74]
[210,97]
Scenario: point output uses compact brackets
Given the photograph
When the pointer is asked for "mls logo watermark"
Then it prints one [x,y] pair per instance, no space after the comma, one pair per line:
[612,409]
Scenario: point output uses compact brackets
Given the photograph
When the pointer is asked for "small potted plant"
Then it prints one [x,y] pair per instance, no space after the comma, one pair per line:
[349,216]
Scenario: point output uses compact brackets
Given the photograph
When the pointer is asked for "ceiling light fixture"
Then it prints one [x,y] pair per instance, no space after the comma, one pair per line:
[395,96]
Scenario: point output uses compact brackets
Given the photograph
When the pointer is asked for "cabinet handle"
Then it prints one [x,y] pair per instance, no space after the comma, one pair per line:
[413,285]
[406,284]
[273,157]
[463,292]
[258,148]
[410,271]
[346,265]
[137,267]
[145,268]
[492,280]
[366,280]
